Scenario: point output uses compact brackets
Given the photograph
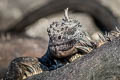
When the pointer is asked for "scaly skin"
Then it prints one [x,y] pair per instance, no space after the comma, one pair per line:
[67,42]
[23,67]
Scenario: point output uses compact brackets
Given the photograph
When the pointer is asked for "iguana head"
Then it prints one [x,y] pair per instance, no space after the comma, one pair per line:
[67,38]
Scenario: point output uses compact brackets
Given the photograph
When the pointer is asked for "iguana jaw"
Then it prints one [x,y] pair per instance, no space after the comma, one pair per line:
[68,49]
[62,54]
[64,49]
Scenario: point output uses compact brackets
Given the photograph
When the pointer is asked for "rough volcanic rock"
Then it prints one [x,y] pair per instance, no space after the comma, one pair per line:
[101,64]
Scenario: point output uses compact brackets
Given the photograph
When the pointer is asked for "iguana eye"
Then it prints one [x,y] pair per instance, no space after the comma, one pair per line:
[81,35]
[59,37]
[58,31]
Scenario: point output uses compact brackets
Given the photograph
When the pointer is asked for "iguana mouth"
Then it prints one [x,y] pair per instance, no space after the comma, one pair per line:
[63,46]
[65,49]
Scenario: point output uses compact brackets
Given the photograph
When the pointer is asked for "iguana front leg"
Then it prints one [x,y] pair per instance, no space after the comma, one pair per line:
[23,67]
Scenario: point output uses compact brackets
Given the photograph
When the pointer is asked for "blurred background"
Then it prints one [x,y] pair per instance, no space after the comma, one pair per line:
[12,11]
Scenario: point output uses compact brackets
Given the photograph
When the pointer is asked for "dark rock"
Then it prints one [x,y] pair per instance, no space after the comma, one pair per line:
[101,64]
[26,15]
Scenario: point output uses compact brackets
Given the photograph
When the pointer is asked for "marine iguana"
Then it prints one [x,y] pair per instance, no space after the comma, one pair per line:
[103,17]
[102,63]
[67,42]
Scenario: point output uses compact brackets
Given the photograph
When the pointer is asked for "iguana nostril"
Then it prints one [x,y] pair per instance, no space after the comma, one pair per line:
[62,29]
